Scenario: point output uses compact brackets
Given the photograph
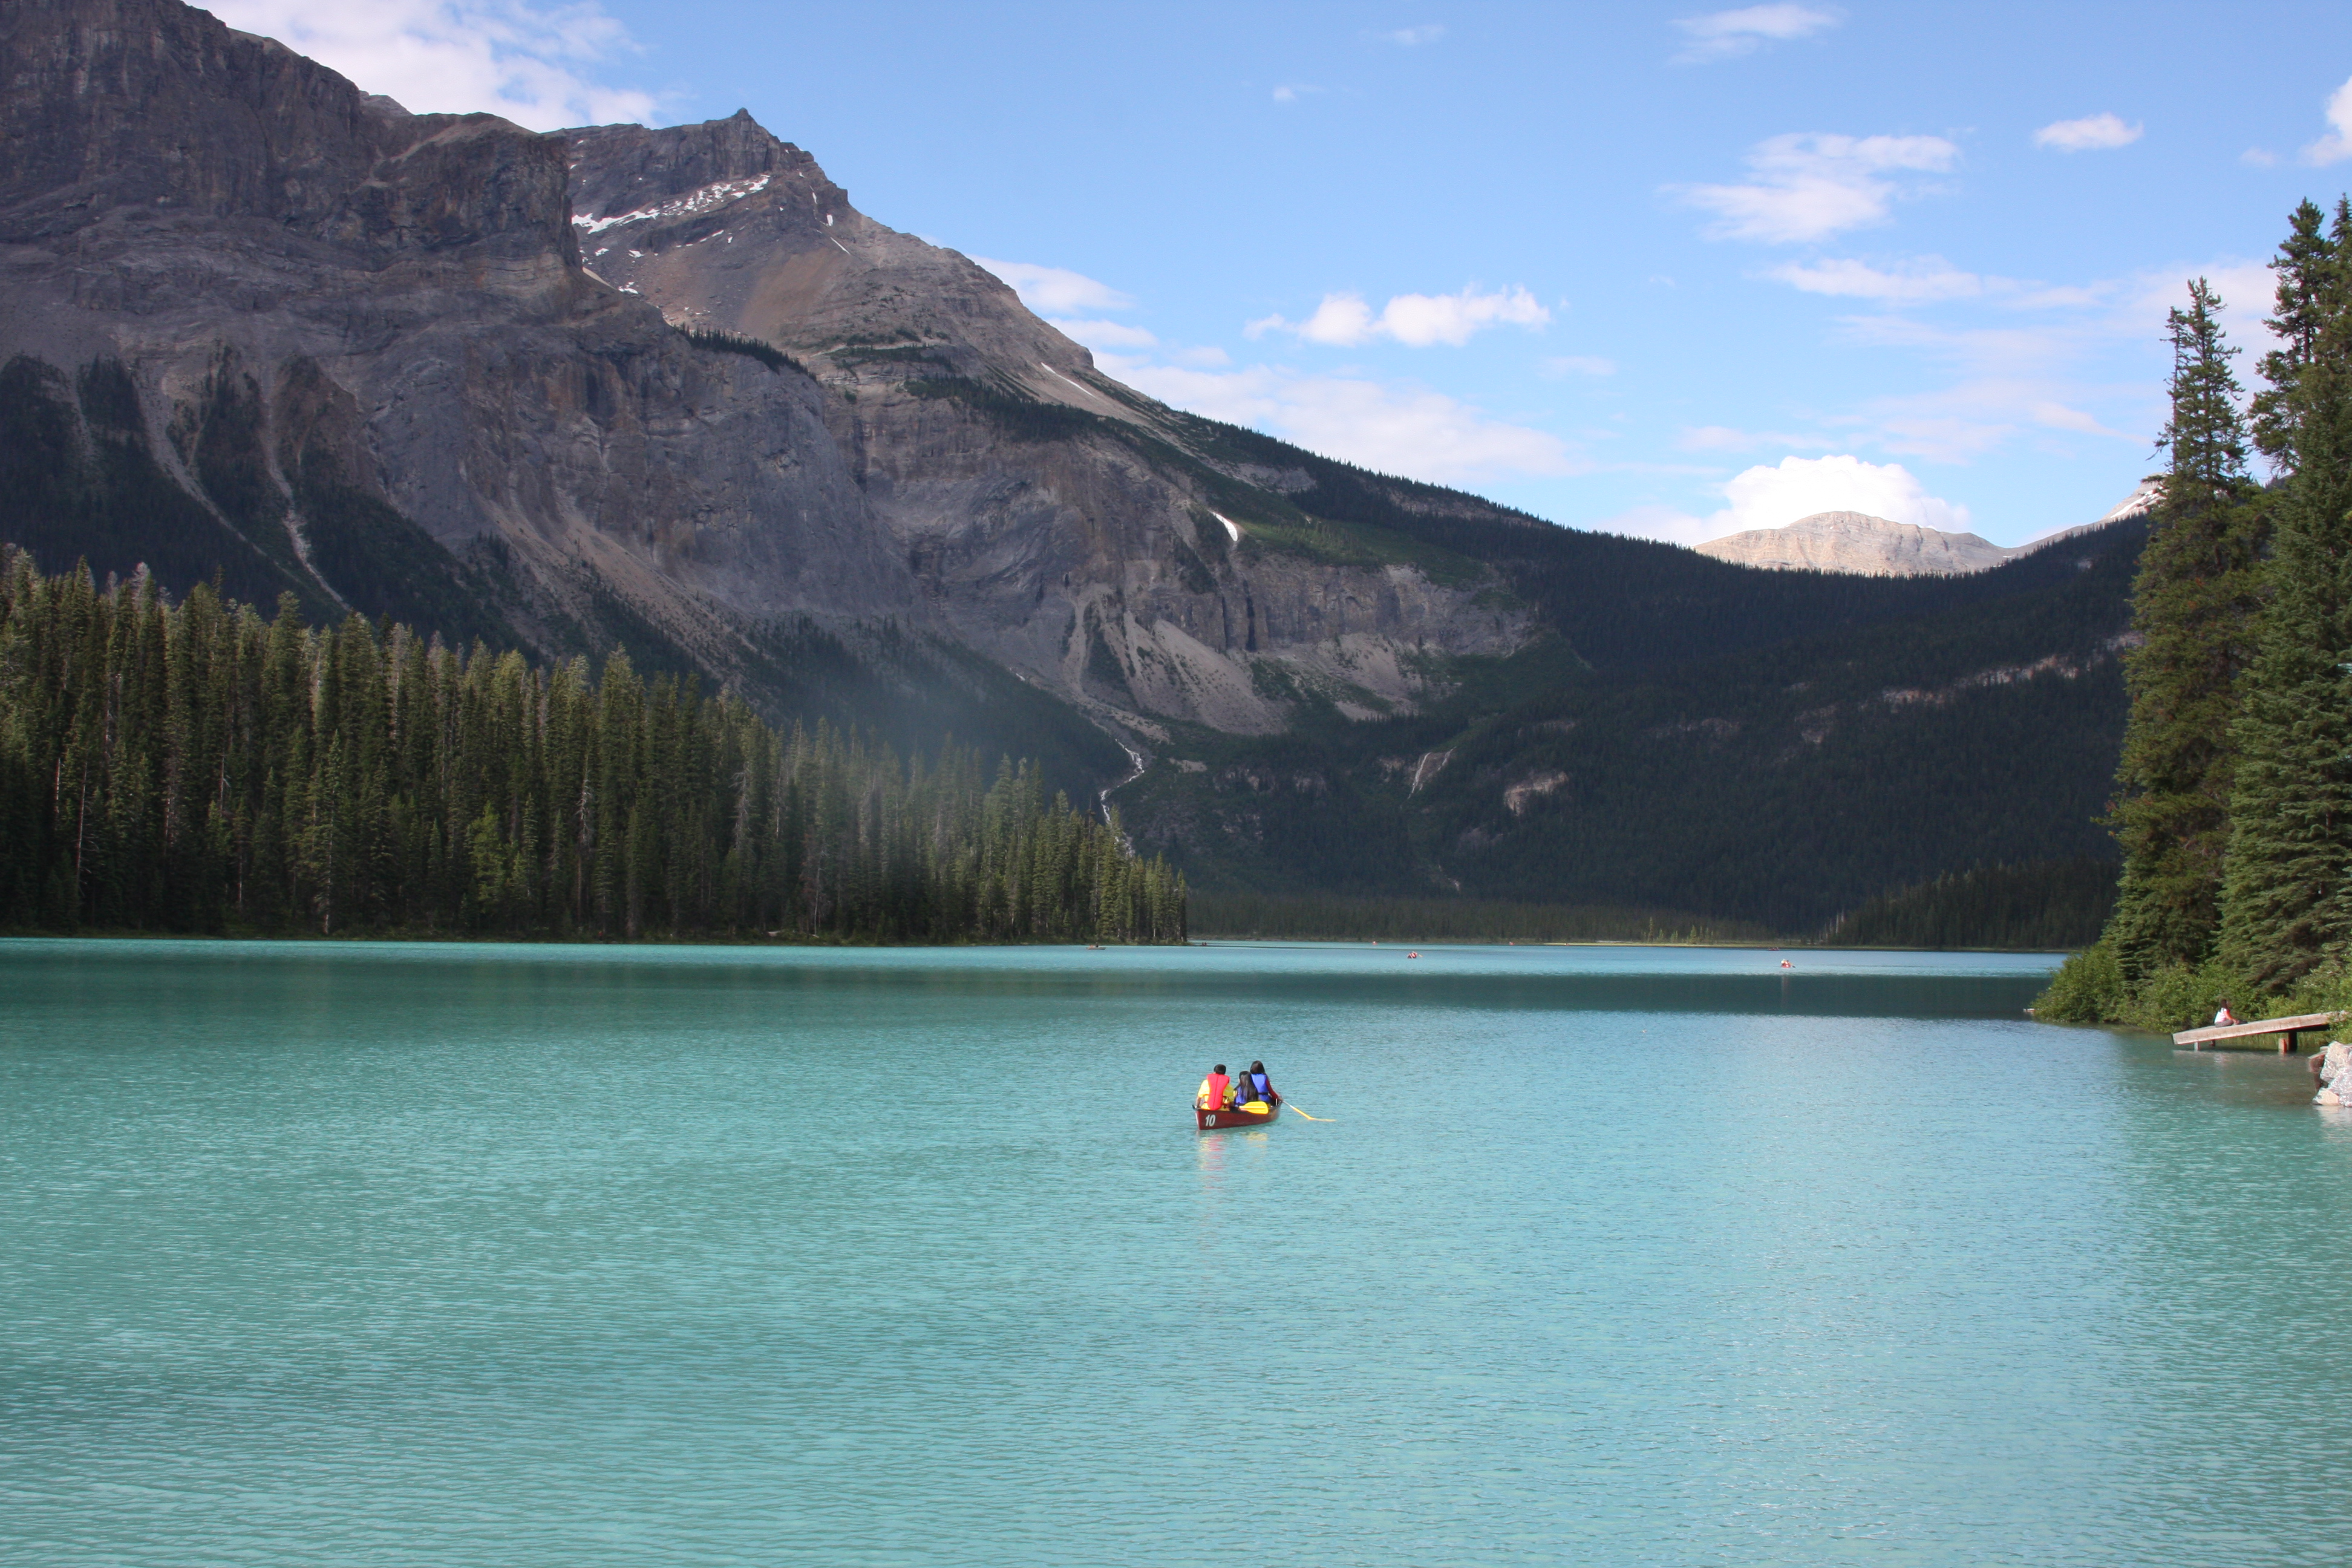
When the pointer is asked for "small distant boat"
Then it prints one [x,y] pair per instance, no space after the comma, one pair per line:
[1238,1116]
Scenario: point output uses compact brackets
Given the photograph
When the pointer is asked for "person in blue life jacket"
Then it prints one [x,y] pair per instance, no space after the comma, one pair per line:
[1256,1085]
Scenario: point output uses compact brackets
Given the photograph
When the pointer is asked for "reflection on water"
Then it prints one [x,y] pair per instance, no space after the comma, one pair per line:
[539,1256]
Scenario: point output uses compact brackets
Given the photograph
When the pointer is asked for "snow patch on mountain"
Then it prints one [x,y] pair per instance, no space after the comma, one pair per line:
[709,198]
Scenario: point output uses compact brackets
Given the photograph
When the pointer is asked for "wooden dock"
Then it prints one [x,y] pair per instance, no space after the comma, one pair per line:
[2286,1029]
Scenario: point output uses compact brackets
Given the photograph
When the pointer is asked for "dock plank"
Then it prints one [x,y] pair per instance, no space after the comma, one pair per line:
[2293,1026]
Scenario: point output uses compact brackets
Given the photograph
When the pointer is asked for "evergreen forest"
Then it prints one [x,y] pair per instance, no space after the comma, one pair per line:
[2233,797]
[2045,905]
[195,767]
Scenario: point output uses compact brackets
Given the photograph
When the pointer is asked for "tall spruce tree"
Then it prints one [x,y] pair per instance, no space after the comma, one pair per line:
[2286,908]
[2193,606]
[2303,267]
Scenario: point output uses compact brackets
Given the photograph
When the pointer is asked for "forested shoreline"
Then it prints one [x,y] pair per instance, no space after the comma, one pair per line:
[193,767]
[2233,797]
[1340,917]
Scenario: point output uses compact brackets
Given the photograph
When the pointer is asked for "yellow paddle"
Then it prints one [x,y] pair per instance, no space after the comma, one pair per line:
[1311,1118]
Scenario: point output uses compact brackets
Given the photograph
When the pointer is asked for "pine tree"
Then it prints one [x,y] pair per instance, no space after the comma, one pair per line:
[2286,908]
[2192,607]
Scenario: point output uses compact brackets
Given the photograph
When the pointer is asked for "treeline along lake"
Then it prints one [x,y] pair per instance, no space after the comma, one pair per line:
[195,767]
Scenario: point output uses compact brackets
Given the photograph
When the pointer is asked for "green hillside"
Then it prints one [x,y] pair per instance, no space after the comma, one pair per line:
[1946,724]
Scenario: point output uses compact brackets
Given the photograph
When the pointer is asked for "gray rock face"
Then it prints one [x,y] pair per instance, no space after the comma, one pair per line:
[390,311]
[1059,520]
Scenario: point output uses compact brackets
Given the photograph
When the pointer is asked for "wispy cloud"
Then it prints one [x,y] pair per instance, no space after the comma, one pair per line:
[1114,336]
[1056,291]
[1727,438]
[1915,281]
[1398,428]
[2007,364]
[1291,93]
[1812,186]
[1395,428]
[2337,146]
[2248,291]
[1726,34]
[2092,133]
[1418,320]
[1412,38]
[533,64]
[2052,415]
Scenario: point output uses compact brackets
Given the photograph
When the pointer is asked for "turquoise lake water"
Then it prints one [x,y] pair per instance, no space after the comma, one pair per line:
[524,1256]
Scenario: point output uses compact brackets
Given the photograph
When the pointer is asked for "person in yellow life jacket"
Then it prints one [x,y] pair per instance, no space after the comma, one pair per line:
[1216,1090]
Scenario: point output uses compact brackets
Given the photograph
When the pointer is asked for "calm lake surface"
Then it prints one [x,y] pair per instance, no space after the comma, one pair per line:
[523,1256]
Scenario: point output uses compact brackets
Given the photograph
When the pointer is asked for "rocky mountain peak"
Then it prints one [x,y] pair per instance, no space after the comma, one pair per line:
[1058,519]
[1869,546]
[729,229]
[1858,543]
[621,169]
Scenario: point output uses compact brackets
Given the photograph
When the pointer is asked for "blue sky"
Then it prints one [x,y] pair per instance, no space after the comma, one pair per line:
[1658,269]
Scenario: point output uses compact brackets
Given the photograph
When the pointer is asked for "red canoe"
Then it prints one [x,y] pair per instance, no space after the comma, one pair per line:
[1209,1120]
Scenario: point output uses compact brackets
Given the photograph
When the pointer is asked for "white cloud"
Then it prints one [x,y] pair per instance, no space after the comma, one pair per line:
[1722,34]
[2337,146]
[1291,93]
[1395,429]
[1577,364]
[1918,282]
[2092,134]
[1056,291]
[1109,335]
[1809,187]
[1417,320]
[528,62]
[1774,496]
[1414,37]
